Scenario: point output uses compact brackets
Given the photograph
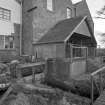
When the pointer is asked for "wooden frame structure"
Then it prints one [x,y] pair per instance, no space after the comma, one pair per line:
[34,67]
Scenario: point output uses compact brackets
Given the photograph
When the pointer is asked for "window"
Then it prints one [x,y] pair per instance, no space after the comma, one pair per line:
[76,1]
[6,42]
[79,52]
[50,5]
[5,14]
[69,15]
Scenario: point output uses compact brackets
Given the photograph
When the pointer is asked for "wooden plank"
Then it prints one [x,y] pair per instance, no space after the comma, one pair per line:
[30,65]
[5,95]
[30,87]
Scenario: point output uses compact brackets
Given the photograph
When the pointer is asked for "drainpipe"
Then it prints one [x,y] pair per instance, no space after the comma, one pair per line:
[21,5]
[75,11]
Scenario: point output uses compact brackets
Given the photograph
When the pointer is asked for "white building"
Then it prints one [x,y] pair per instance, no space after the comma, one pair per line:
[10,14]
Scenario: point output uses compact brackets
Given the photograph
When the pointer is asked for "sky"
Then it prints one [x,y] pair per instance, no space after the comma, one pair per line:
[94,6]
[99,24]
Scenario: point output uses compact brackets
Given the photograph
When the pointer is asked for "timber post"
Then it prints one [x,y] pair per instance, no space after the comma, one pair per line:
[92,90]
[100,81]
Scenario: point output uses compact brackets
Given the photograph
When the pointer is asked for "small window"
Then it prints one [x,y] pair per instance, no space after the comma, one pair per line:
[76,1]
[69,13]
[9,42]
[50,5]
[5,14]
[79,52]
[6,42]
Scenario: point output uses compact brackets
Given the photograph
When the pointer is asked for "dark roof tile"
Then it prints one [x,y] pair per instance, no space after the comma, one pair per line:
[61,30]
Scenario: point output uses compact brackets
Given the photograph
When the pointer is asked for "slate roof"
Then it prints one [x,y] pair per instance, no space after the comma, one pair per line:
[61,30]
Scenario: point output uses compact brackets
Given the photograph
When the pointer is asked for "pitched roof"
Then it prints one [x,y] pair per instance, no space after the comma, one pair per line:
[61,31]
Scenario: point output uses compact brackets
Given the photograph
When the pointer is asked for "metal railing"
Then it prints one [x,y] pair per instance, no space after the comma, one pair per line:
[99,71]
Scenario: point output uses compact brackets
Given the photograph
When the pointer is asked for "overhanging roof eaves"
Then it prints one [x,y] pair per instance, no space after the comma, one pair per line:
[92,33]
[75,29]
[62,30]
[39,43]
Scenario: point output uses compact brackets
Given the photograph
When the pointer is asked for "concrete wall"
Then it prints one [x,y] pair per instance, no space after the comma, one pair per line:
[77,68]
[63,69]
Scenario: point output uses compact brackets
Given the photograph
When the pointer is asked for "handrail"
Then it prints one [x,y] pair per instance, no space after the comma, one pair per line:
[92,80]
[98,71]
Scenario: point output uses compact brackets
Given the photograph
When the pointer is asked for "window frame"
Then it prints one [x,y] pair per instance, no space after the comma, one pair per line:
[52,5]
[5,14]
[70,14]
[4,42]
[82,52]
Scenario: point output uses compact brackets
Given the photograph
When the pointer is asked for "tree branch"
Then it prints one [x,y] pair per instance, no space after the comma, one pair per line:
[98,17]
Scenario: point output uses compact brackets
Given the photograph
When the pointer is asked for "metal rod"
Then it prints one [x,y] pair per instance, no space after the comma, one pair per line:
[99,70]
[92,90]
[71,54]
[100,81]
[33,74]
[21,6]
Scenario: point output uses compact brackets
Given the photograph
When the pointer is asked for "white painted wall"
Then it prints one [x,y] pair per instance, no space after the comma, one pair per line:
[7,27]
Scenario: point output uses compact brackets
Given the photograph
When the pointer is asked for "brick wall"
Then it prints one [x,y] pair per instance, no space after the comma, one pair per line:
[27,29]
[43,19]
[17,38]
[6,55]
[38,21]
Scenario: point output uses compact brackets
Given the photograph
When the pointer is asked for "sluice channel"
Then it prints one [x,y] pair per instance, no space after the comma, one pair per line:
[2,91]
